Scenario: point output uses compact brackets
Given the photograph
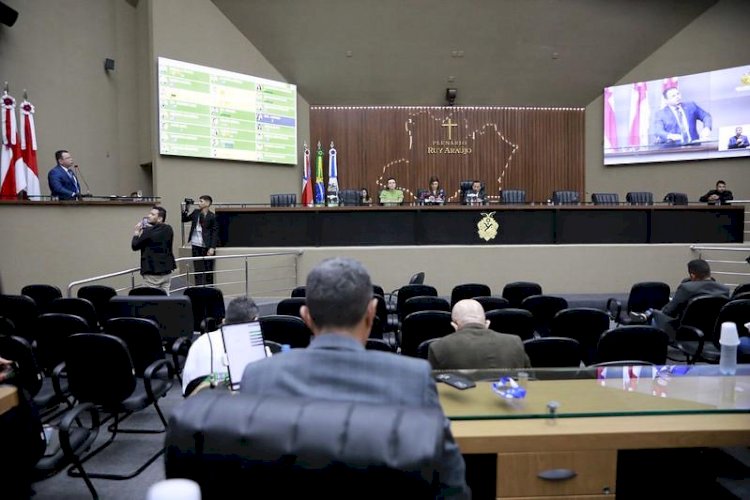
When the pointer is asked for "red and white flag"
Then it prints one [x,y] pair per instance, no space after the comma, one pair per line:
[640,115]
[610,121]
[12,169]
[28,150]
[307,192]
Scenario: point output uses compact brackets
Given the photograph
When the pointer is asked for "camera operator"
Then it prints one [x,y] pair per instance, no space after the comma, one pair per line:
[203,237]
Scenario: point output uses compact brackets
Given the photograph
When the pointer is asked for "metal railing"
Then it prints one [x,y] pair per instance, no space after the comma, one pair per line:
[734,271]
[267,274]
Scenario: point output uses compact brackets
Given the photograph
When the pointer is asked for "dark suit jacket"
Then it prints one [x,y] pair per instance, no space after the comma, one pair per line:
[666,122]
[724,196]
[337,367]
[734,143]
[155,244]
[477,347]
[208,224]
[60,184]
[689,289]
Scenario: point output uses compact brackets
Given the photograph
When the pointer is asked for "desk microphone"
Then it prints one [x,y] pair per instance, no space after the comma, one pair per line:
[88,189]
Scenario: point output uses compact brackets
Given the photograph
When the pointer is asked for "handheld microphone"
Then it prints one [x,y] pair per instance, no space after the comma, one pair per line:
[88,189]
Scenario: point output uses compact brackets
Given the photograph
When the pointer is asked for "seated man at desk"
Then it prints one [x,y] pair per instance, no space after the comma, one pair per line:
[719,196]
[475,195]
[391,196]
[474,345]
[340,310]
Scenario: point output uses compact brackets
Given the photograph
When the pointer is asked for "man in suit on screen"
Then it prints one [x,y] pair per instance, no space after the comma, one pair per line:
[677,122]
[738,140]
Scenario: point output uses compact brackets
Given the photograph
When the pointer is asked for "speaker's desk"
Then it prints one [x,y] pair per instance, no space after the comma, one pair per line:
[600,412]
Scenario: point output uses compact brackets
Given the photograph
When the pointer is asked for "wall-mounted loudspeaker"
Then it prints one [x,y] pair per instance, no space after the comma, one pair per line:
[450,96]
[109,64]
[8,15]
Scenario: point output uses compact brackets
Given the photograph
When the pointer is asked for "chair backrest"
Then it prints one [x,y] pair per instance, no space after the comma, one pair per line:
[743,288]
[408,291]
[736,311]
[378,345]
[420,326]
[645,343]
[491,303]
[22,311]
[648,295]
[43,295]
[142,337]
[350,197]
[565,198]
[299,291]
[78,307]
[516,291]
[543,308]
[105,378]
[417,278]
[553,352]
[173,314]
[303,448]
[51,333]
[584,324]
[424,303]
[513,196]
[469,291]
[283,200]
[423,350]
[207,302]
[7,327]
[99,296]
[147,291]
[285,330]
[676,198]
[605,198]
[290,306]
[640,198]
[702,312]
[518,322]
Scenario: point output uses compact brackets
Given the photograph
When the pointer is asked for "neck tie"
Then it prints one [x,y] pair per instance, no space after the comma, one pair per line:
[75,181]
[683,125]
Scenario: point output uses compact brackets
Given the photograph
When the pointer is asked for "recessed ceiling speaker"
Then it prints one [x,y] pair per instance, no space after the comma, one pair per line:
[8,15]
[450,96]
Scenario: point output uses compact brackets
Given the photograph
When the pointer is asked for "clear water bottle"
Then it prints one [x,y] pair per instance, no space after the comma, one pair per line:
[729,341]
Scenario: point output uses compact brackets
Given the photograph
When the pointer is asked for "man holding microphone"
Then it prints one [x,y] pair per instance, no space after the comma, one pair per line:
[203,237]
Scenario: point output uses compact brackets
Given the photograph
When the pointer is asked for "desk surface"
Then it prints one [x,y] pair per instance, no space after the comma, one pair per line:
[8,398]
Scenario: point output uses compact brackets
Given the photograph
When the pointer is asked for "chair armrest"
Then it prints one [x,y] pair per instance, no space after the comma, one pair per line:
[615,315]
[151,372]
[67,422]
[58,373]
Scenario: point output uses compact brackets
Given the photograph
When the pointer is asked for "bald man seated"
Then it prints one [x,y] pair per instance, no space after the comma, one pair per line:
[474,345]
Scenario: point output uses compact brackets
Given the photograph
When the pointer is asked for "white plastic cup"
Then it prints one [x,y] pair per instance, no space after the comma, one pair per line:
[729,341]
[169,489]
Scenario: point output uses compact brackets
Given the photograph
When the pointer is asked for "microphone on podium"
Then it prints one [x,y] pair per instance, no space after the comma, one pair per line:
[87,194]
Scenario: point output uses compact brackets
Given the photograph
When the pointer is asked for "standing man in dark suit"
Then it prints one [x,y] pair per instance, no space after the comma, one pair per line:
[676,123]
[153,237]
[62,181]
[204,235]
[340,310]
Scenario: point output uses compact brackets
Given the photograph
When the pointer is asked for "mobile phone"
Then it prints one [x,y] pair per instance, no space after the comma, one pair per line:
[457,381]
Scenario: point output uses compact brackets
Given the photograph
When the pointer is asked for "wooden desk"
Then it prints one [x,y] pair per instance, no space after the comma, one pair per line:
[8,398]
[527,443]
